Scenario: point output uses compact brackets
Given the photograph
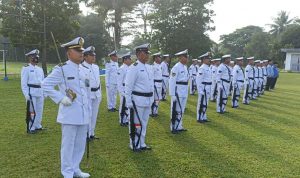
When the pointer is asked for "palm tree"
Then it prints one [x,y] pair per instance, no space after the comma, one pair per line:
[280,23]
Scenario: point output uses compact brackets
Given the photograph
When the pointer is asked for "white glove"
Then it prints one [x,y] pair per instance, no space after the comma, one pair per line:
[174,98]
[66,101]
[27,97]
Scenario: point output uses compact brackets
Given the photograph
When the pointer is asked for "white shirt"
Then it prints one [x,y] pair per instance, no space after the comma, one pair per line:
[165,69]
[95,82]
[204,76]
[179,73]
[111,73]
[249,72]
[157,74]
[237,74]
[223,72]
[139,78]
[260,72]
[122,71]
[193,70]
[32,74]
[70,76]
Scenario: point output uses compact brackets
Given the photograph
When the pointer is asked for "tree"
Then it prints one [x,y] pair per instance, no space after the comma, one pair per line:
[280,23]
[235,42]
[291,37]
[117,8]
[258,46]
[23,21]
[179,25]
[94,34]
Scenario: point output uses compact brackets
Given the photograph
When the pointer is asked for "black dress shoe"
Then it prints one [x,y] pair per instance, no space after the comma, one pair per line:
[93,137]
[201,121]
[42,128]
[136,150]
[174,132]
[146,148]
[31,131]
[206,120]
[182,130]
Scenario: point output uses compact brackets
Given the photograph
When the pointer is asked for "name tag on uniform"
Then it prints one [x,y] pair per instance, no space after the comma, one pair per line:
[70,78]
[142,70]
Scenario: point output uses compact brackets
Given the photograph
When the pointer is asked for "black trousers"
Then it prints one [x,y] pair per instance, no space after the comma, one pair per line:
[268,84]
[273,83]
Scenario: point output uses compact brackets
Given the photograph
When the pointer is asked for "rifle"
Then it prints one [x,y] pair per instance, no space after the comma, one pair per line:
[123,110]
[87,145]
[28,116]
[174,115]
[132,129]
[247,93]
[221,101]
[200,111]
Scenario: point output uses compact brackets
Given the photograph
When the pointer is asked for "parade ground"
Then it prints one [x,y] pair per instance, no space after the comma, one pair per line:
[256,140]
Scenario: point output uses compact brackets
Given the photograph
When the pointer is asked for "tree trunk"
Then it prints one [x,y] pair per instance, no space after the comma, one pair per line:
[117,29]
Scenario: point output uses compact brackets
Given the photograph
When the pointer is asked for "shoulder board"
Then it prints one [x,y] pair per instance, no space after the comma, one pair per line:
[135,64]
[62,64]
[26,65]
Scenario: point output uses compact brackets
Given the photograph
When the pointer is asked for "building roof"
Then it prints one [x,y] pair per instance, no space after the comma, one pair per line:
[291,50]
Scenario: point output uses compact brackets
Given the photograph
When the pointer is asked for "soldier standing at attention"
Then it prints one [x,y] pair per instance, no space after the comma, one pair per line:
[139,97]
[31,79]
[95,84]
[74,109]
[158,81]
[122,72]
[165,74]
[111,73]
[178,85]
[223,83]
[237,81]
[204,81]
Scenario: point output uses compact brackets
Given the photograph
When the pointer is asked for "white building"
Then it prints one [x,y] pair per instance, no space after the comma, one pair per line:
[292,59]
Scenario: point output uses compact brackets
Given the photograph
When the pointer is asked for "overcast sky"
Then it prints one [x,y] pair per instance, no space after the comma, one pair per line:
[233,14]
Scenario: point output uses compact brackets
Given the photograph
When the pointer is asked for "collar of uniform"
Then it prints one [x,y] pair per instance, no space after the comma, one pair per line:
[181,64]
[87,64]
[72,63]
[138,61]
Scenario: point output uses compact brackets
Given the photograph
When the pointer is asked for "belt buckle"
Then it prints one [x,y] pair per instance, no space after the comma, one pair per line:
[71,94]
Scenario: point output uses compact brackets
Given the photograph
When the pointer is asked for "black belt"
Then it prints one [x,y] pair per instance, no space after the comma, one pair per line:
[250,78]
[142,94]
[95,89]
[256,77]
[165,75]
[182,83]
[240,81]
[34,86]
[224,80]
[194,75]
[158,81]
[206,83]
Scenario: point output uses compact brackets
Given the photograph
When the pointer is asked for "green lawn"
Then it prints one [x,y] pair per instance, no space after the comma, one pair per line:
[259,140]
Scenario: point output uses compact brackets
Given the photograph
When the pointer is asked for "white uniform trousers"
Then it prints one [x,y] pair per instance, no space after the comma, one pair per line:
[157,98]
[236,93]
[203,103]
[180,112]
[111,95]
[248,88]
[264,84]
[140,123]
[261,86]
[37,106]
[124,113]
[223,93]
[95,102]
[255,88]
[193,85]
[165,87]
[213,91]
[72,148]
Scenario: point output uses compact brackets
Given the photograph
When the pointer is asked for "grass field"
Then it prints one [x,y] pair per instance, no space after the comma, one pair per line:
[259,140]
